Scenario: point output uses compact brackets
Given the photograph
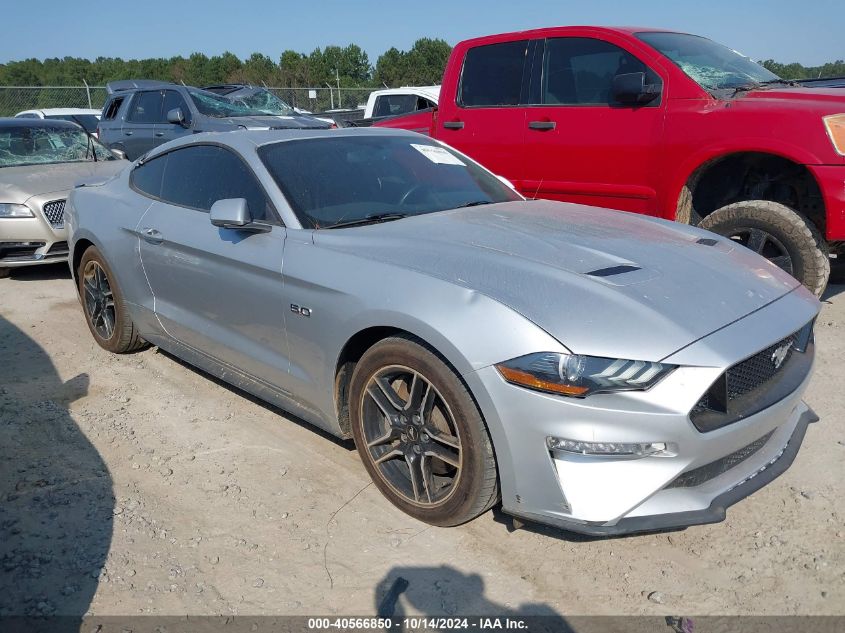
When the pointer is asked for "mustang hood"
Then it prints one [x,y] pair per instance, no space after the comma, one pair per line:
[18,184]
[604,283]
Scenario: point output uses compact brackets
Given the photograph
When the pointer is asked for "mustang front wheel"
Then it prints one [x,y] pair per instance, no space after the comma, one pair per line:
[420,434]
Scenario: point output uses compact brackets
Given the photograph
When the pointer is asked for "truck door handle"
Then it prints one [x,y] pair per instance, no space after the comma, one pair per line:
[152,236]
[542,125]
[453,125]
[128,133]
[159,133]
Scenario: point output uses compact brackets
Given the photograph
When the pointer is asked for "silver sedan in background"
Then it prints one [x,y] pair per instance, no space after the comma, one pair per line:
[599,371]
[40,161]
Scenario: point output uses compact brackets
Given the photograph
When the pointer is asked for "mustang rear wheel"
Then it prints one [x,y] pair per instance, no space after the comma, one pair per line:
[102,302]
[420,434]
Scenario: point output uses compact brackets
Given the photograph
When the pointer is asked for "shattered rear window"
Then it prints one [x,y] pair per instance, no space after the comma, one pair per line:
[44,145]
[711,65]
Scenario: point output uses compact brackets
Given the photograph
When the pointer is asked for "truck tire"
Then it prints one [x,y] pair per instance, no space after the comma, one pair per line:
[780,234]
[5,272]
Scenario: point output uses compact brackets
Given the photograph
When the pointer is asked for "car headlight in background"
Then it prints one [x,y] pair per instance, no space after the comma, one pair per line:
[579,376]
[15,211]
[835,126]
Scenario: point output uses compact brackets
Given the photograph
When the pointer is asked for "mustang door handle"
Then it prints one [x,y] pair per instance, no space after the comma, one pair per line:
[453,125]
[152,236]
[542,125]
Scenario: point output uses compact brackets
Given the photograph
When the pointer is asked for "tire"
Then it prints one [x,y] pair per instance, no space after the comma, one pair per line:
[444,493]
[121,335]
[5,272]
[789,237]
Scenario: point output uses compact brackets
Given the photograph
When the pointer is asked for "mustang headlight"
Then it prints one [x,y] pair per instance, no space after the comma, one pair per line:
[15,211]
[835,126]
[579,376]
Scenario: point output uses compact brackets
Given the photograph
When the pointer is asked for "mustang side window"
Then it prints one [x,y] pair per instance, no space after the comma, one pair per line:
[147,177]
[198,176]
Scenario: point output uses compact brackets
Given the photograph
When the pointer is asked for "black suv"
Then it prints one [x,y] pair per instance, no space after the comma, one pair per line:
[141,114]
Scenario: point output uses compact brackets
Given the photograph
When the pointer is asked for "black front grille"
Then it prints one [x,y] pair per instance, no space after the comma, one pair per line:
[55,213]
[757,382]
[712,470]
[58,248]
[19,251]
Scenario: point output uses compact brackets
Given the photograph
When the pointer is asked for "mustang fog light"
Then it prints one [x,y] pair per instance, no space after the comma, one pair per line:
[618,449]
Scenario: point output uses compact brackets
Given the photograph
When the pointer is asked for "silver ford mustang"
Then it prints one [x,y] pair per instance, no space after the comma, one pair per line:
[599,371]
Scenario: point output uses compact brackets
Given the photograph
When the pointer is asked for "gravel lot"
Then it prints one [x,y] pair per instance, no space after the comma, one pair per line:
[135,484]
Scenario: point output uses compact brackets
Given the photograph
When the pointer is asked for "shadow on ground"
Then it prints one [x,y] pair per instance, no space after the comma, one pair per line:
[446,592]
[56,497]
[41,272]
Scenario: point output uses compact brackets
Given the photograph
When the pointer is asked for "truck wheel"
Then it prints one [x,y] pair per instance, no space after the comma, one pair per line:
[781,235]
[5,272]
[420,434]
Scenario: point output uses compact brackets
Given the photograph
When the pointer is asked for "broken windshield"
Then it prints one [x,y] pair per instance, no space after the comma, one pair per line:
[263,100]
[711,65]
[20,145]
[218,106]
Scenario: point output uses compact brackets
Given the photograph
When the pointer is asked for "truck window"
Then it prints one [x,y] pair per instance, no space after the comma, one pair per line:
[492,74]
[112,106]
[391,105]
[580,71]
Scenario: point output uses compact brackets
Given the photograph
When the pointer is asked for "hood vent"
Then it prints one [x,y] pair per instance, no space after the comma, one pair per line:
[707,241]
[613,270]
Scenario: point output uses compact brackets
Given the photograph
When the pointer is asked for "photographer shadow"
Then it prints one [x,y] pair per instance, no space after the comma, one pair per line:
[56,494]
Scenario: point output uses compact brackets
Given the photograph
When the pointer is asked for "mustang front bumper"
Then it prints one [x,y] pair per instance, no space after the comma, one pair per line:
[693,482]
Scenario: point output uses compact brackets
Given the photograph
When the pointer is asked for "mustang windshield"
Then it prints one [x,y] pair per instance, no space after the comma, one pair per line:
[711,65]
[21,145]
[218,106]
[352,180]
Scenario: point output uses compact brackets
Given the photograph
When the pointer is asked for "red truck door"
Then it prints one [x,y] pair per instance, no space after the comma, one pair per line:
[486,121]
[581,145]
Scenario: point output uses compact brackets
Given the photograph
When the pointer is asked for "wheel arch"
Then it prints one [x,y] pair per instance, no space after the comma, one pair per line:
[735,176]
[352,352]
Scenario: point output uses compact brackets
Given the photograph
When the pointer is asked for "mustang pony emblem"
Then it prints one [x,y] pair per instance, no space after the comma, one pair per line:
[779,355]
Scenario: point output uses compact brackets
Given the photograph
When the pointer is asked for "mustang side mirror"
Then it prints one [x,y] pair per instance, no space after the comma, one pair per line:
[176,116]
[233,213]
[631,89]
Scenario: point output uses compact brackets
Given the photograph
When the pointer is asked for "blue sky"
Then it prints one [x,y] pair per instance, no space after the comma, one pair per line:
[786,30]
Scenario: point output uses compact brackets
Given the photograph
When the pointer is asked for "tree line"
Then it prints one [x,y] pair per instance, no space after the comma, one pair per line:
[349,65]
[798,71]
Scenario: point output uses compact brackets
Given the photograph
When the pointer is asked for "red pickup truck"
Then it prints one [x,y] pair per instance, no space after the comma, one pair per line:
[656,122]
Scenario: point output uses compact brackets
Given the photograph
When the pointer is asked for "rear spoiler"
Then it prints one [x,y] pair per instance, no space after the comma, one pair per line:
[135,84]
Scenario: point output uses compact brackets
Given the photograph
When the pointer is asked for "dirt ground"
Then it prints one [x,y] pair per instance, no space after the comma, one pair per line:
[135,484]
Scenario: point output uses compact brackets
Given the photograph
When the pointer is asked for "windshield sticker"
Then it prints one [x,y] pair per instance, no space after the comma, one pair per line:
[438,155]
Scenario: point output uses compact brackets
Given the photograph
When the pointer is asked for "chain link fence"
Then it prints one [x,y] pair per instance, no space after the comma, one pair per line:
[14,99]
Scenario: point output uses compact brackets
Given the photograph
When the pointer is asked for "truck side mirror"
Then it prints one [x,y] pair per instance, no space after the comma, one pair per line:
[176,116]
[631,89]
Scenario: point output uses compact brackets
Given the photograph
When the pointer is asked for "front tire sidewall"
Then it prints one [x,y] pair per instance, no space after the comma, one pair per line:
[473,494]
